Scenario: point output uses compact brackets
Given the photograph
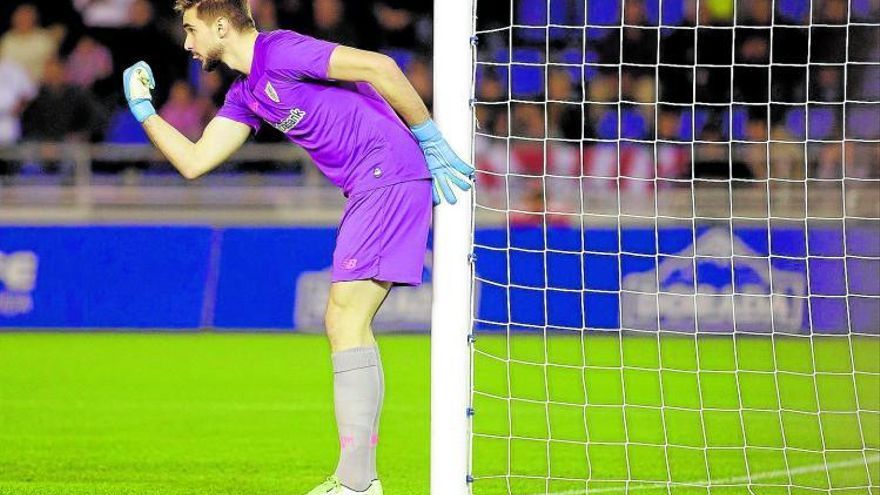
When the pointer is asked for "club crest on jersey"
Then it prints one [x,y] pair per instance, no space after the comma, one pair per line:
[296,115]
[271,93]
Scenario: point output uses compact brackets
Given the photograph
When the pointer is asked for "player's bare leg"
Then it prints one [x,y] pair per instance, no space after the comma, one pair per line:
[350,311]
[358,384]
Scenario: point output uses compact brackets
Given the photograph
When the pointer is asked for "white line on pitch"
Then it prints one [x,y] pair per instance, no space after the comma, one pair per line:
[740,480]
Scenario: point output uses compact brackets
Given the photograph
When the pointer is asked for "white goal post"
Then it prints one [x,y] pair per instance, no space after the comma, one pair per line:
[674,275]
[452,269]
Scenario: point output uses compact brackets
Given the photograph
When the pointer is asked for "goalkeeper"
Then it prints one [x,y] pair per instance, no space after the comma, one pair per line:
[369,132]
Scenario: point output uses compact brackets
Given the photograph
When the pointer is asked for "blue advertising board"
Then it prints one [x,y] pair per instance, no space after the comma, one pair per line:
[713,279]
[259,270]
[102,277]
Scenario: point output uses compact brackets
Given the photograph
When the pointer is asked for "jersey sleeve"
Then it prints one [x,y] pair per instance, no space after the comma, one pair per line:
[235,109]
[299,56]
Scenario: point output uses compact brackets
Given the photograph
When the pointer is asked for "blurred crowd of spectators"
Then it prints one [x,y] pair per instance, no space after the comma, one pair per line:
[603,93]
[62,60]
[570,100]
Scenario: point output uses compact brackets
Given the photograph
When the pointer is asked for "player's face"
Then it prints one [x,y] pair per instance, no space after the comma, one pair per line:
[202,41]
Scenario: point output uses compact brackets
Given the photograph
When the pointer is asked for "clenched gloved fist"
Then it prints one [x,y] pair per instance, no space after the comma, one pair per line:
[138,81]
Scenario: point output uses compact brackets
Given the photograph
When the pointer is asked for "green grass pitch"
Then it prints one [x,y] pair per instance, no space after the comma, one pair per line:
[252,414]
[195,414]
[652,419]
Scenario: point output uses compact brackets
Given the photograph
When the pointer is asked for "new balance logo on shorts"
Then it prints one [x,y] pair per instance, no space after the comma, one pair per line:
[349,264]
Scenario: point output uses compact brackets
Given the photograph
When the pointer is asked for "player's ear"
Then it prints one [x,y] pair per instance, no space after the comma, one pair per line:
[221,27]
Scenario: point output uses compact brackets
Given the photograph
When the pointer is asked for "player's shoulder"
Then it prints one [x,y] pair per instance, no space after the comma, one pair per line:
[289,53]
[278,41]
[280,45]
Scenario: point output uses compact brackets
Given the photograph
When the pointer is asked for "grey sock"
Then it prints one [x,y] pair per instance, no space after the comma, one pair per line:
[374,437]
[357,394]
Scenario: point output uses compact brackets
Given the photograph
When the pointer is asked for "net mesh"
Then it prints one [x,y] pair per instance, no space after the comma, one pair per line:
[677,247]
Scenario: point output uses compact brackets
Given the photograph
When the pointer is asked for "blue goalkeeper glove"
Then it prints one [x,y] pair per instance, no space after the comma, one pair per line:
[444,164]
[138,81]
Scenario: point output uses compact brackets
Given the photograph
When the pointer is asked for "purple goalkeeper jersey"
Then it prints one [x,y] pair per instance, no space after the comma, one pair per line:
[350,131]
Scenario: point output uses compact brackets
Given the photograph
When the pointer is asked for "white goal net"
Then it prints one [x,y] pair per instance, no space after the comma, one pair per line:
[677,247]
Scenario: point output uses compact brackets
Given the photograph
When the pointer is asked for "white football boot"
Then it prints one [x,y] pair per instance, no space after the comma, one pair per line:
[333,487]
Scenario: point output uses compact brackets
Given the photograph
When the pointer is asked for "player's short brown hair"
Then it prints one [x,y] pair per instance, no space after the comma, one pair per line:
[238,12]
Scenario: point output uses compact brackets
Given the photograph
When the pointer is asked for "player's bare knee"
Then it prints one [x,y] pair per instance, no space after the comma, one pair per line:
[349,314]
[335,314]
[331,321]
[342,321]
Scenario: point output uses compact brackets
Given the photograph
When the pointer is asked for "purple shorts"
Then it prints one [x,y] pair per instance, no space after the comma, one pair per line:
[383,234]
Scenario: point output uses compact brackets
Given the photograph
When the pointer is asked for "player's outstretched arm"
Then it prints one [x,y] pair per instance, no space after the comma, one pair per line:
[220,139]
[447,169]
